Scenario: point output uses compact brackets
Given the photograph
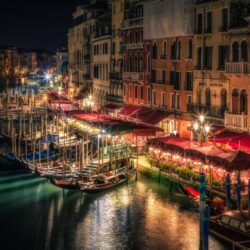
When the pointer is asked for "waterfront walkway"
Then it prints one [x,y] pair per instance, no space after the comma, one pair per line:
[143,163]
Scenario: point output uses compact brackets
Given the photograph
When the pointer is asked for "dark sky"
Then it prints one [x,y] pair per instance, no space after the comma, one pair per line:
[36,24]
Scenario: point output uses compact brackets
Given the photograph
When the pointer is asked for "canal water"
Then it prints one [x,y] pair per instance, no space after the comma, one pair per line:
[35,214]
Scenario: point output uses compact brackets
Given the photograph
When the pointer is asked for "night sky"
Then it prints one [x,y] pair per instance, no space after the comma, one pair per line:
[36,24]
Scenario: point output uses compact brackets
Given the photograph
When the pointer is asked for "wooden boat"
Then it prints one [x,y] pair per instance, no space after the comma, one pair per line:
[232,226]
[68,183]
[103,183]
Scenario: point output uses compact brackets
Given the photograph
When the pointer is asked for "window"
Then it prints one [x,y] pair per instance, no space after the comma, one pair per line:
[178,101]
[136,91]
[149,94]
[243,102]
[96,71]
[208,58]
[124,90]
[113,48]
[163,99]
[208,97]
[177,81]
[164,51]
[190,49]
[189,99]
[189,81]
[153,76]
[244,51]
[223,98]
[154,97]
[235,101]
[164,76]
[179,50]
[224,19]
[172,77]
[209,22]
[105,48]
[199,55]
[173,50]
[154,51]
[113,8]
[130,91]
[172,100]
[235,50]
[141,92]
[199,23]
[223,56]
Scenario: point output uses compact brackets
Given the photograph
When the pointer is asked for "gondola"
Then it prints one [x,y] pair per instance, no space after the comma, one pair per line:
[104,183]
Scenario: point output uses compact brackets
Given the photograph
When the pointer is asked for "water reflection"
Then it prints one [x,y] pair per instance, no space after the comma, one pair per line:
[142,215]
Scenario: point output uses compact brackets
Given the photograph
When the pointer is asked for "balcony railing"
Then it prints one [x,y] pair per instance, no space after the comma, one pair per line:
[237,68]
[212,111]
[115,76]
[134,46]
[236,121]
[133,75]
[133,22]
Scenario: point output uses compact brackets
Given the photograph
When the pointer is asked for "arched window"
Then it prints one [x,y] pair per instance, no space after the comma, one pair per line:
[235,50]
[179,50]
[141,63]
[208,97]
[244,51]
[164,50]
[235,101]
[148,63]
[199,96]
[190,49]
[130,63]
[136,64]
[223,99]
[154,54]
[173,50]
[243,102]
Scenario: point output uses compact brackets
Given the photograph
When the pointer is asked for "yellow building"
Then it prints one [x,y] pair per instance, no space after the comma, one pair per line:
[211,49]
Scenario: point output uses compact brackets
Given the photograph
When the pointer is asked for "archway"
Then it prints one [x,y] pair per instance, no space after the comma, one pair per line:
[235,101]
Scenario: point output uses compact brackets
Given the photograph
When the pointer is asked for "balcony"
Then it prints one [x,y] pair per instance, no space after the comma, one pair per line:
[134,46]
[212,111]
[236,121]
[86,57]
[133,22]
[115,98]
[237,68]
[223,29]
[133,75]
[86,76]
[115,76]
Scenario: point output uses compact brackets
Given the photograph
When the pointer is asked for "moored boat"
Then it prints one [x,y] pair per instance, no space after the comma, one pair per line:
[103,182]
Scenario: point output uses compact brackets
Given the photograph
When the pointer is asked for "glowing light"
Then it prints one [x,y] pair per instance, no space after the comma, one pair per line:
[202,118]
[207,129]
[196,126]
[90,97]
[47,76]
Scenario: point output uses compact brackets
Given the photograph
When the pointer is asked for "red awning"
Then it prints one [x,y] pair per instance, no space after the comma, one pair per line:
[144,115]
[237,140]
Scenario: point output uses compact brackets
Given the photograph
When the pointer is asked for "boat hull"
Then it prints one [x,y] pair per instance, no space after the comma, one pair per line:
[104,187]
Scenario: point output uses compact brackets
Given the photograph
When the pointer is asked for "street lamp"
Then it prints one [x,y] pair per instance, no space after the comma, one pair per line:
[201,128]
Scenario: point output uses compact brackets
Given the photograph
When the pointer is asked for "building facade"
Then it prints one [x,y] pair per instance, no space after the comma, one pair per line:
[211,50]
[134,82]
[116,64]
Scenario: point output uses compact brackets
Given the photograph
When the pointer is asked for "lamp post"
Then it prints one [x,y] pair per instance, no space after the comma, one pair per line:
[201,128]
